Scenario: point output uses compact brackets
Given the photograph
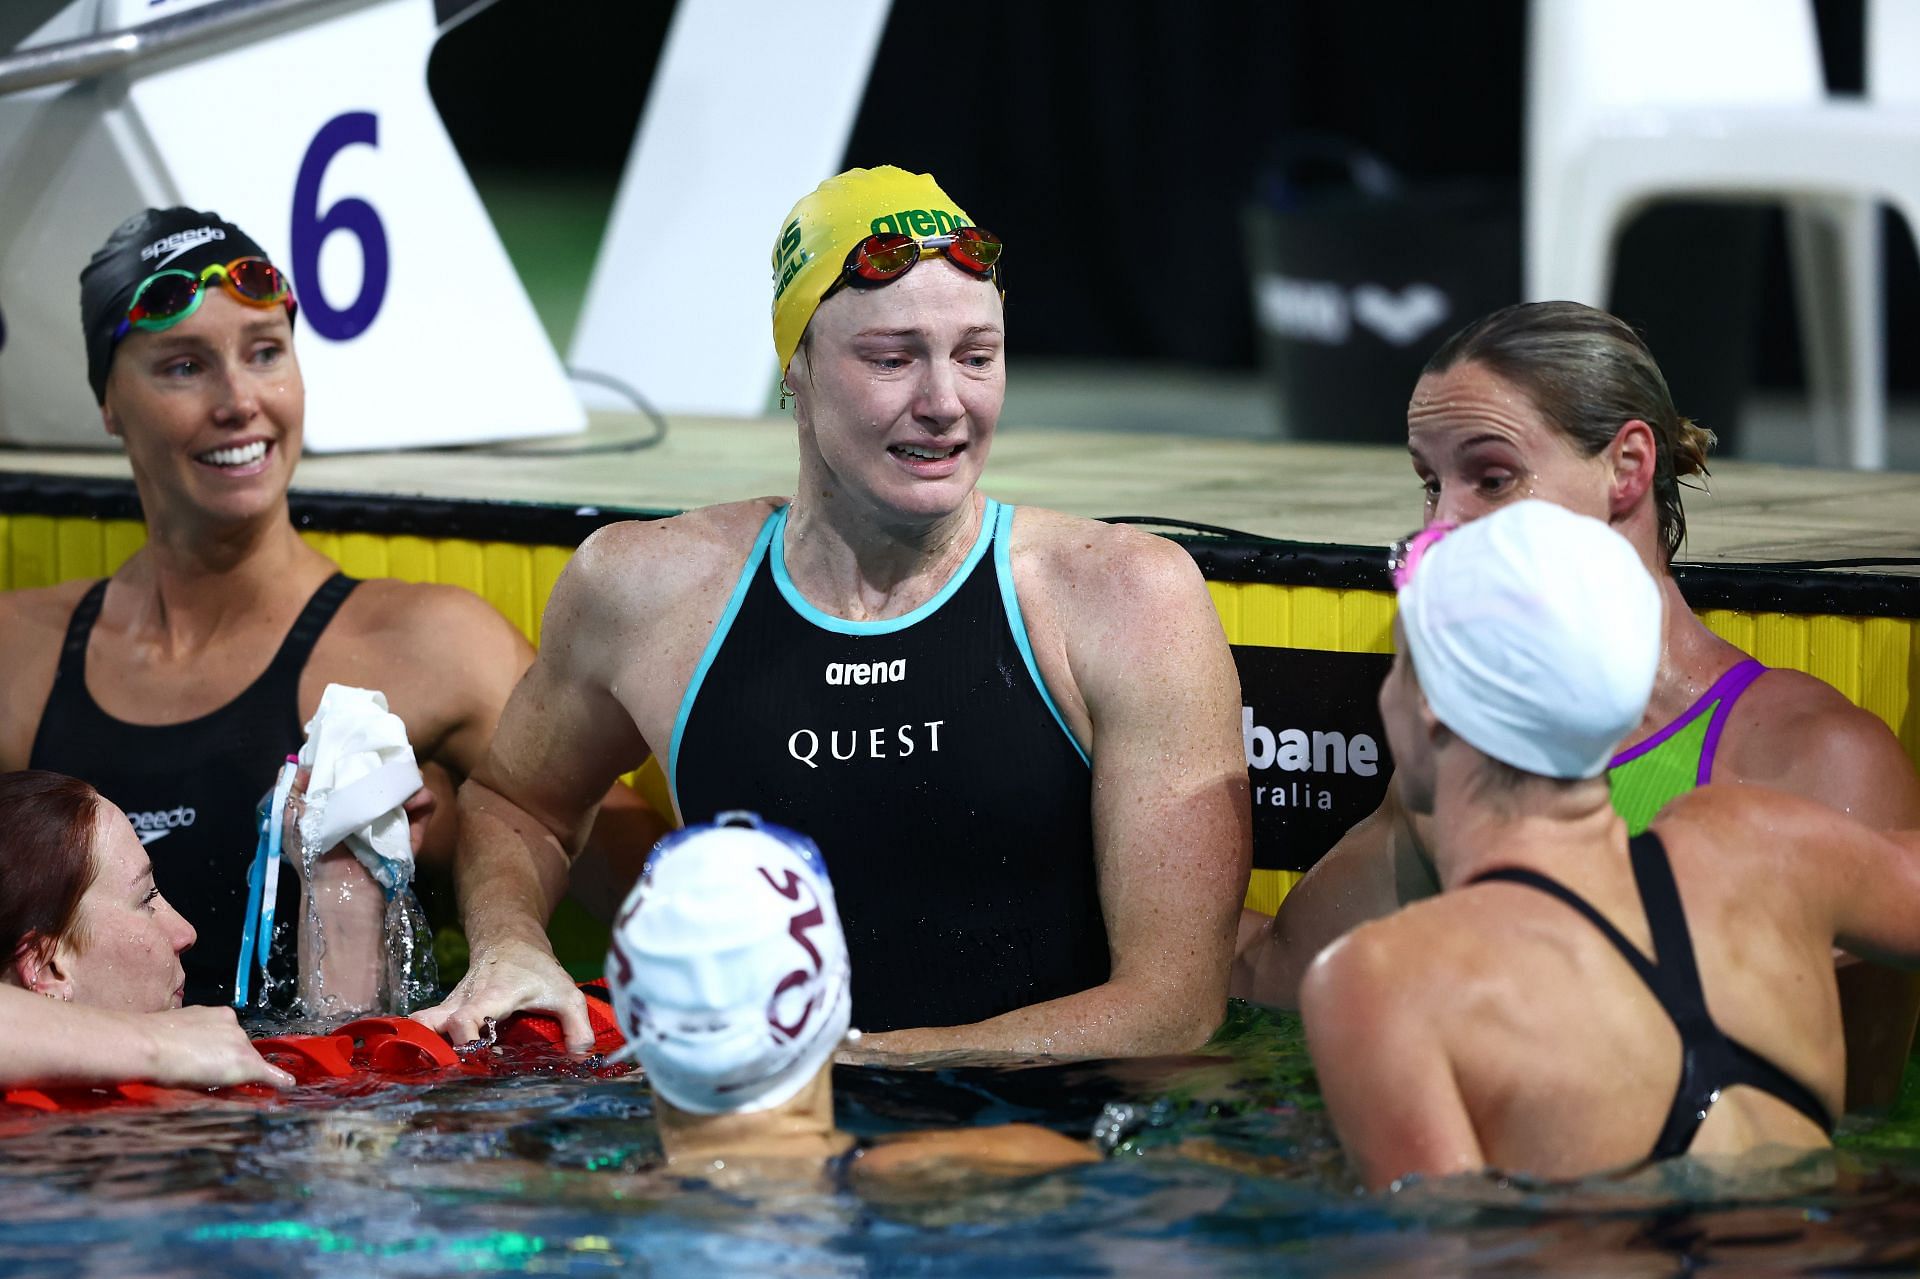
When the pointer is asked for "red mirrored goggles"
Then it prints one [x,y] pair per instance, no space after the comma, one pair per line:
[882,259]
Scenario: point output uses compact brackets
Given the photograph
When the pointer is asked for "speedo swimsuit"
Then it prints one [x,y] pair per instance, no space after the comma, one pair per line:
[1710,1061]
[1647,777]
[190,788]
[925,756]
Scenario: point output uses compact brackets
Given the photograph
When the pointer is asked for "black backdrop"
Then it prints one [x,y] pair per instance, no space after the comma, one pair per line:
[1114,145]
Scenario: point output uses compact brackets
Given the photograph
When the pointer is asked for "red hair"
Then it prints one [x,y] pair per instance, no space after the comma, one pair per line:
[46,857]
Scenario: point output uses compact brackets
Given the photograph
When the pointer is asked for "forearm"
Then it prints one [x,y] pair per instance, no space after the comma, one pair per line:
[1266,968]
[50,1042]
[342,937]
[510,873]
[1116,1019]
[58,1044]
[1374,869]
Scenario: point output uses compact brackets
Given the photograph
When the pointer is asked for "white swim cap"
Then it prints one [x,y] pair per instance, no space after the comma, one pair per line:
[1535,633]
[728,968]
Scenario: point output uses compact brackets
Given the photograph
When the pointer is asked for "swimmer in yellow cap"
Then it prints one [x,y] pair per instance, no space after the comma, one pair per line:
[1013,733]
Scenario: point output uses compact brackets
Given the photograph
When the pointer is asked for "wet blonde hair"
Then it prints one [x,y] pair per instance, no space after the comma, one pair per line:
[1589,374]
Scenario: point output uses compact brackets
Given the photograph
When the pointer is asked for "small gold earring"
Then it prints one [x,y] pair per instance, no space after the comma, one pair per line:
[785,391]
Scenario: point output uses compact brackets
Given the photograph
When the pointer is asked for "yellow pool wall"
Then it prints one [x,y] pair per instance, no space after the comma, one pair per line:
[1874,661]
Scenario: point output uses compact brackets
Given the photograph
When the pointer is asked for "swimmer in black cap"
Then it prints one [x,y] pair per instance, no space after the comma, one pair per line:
[178,686]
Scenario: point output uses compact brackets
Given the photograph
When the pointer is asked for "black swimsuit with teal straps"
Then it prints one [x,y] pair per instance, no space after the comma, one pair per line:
[190,788]
[925,756]
[1711,1061]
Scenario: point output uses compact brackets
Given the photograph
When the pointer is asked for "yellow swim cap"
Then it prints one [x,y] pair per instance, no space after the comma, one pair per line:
[836,215]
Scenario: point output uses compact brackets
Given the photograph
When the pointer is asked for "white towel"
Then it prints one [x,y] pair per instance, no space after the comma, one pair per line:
[362,772]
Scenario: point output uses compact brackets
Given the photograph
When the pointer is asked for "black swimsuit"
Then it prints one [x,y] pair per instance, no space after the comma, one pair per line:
[926,756]
[190,788]
[1710,1061]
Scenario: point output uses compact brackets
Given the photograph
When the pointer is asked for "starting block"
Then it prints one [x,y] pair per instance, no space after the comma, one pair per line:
[315,133]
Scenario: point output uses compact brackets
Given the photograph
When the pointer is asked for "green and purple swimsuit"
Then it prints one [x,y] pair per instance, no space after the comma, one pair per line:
[1646,778]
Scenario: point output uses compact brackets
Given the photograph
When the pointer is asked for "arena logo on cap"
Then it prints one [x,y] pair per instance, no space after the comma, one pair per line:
[917,222]
[180,242]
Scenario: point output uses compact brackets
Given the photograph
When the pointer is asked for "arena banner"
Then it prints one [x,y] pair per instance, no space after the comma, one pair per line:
[1317,755]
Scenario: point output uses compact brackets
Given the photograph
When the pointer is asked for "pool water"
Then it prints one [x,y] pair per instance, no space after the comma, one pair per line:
[1217,1164]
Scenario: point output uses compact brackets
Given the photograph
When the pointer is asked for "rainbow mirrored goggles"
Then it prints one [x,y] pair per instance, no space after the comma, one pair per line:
[882,259]
[167,297]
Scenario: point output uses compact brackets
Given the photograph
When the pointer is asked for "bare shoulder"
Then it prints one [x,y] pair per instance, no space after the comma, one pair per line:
[28,618]
[33,624]
[1360,989]
[424,612]
[1374,969]
[654,564]
[1102,565]
[1795,733]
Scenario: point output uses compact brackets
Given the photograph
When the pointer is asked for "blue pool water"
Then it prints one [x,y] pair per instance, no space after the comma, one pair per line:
[1221,1164]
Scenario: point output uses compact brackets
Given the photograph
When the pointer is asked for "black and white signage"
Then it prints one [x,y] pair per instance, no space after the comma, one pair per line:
[1317,757]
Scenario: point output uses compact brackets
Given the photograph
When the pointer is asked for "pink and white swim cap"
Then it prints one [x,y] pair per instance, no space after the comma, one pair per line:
[1536,636]
[728,967]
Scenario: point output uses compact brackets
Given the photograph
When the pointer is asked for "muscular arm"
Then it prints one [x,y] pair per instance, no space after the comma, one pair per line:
[1375,869]
[1796,734]
[1171,825]
[51,1043]
[560,744]
[476,658]
[1863,884]
[1384,1068]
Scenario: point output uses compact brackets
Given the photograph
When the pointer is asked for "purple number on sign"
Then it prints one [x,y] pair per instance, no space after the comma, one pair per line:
[353,215]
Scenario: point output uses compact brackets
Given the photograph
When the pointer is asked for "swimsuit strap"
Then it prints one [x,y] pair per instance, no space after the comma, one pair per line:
[1676,982]
[1560,892]
[1710,1060]
[313,619]
[1727,690]
[73,652]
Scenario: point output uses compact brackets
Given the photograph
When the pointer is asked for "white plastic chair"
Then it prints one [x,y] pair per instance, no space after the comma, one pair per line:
[1634,101]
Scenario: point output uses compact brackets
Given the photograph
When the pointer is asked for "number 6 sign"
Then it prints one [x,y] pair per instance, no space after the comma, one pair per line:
[319,138]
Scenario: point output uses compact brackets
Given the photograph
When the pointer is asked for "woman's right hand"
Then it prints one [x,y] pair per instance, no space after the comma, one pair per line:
[510,978]
[202,1047]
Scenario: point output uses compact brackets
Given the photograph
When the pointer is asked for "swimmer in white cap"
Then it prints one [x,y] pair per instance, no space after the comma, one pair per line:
[1577,1000]
[1564,402]
[730,978]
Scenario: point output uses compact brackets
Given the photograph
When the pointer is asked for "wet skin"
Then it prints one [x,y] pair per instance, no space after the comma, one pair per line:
[898,392]
[123,951]
[1477,442]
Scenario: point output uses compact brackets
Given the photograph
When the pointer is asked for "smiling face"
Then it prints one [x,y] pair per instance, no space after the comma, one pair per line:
[898,390]
[211,410]
[1478,442]
[123,951]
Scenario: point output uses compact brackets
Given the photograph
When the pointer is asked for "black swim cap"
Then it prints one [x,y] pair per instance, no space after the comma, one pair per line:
[149,241]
